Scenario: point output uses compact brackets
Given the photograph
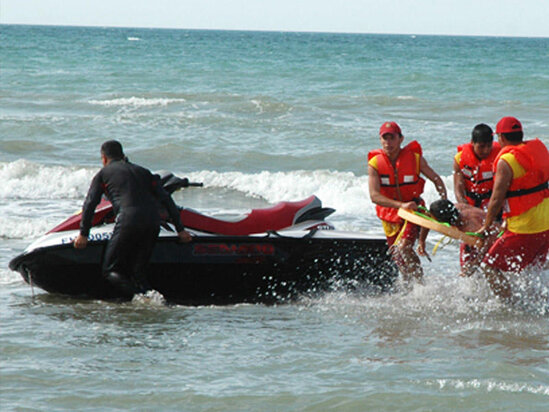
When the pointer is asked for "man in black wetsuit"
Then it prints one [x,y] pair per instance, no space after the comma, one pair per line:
[134,193]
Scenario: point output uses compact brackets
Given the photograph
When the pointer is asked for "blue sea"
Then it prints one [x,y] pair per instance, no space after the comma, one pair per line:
[261,117]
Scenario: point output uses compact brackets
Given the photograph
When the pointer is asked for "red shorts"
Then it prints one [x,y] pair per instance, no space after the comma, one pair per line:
[514,251]
[411,233]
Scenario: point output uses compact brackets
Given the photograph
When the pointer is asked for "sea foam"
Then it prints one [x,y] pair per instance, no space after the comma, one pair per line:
[136,101]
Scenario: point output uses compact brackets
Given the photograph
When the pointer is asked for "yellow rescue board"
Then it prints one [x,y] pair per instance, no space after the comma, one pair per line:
[450,231]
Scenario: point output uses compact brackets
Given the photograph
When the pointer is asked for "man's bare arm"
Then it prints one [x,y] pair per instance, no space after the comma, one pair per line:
[502,181]
[459,184]
[430,174]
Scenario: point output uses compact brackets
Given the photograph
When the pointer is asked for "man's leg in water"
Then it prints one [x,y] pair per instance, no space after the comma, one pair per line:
[409,263]
[513,252]
[498,282]
[142,255]
[116,262]
[401,244]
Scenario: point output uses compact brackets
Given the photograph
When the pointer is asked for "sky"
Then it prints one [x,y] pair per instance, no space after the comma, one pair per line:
[448,17]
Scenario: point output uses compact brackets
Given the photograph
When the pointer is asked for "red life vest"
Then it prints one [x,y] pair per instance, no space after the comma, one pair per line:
[401,182]
[531,189]
[477,173]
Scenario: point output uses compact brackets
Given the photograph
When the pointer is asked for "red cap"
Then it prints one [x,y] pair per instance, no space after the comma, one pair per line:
[389,127]
[508,124]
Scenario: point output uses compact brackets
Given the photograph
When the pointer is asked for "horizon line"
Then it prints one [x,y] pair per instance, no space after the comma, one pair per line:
[275,31]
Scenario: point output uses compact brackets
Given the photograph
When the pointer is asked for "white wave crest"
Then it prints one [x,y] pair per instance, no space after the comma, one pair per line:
[489,385]
[27,180]
[33,226]
[136,101]
[344,191]
[30,188]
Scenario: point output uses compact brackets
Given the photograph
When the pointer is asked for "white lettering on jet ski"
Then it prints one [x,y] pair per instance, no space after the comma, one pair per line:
[94,237]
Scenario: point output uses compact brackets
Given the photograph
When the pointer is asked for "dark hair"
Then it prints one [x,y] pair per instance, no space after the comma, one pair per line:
[514,136]
[113,150]
[482,133]
[444,211]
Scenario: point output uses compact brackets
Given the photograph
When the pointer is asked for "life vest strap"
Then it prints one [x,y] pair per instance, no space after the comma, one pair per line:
[400,184]
[478,181]
[478,197]
[523,192]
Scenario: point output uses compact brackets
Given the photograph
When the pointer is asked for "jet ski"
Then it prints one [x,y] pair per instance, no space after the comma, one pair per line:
[266,256]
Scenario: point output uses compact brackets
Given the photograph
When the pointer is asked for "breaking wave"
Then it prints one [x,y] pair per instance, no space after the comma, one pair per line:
[33,193]
[136,102]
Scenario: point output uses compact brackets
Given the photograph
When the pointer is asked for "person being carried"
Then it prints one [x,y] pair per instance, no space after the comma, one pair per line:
[466,218]
[521,190]
[473,175]
[394,182]
[133,192]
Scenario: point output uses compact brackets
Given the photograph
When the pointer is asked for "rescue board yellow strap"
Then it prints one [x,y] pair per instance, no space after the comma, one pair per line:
[439,243]
[401,233]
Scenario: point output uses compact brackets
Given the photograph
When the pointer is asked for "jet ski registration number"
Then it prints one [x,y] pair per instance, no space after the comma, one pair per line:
[93,237]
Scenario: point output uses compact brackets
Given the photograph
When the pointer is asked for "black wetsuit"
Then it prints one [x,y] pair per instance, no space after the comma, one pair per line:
[135,194]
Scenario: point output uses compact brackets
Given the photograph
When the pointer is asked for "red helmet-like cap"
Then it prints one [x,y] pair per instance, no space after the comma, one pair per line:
[389,127]
[508,124]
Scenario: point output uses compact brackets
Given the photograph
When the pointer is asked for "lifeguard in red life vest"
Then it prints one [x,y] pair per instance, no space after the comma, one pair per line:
[473,174]
[521,191]
[394,181]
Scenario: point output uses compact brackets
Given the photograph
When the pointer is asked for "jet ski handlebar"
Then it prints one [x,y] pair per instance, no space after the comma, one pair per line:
[171,183]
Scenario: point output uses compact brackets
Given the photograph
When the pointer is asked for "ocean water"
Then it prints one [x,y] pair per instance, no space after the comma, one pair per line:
[258,118]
